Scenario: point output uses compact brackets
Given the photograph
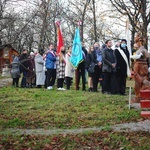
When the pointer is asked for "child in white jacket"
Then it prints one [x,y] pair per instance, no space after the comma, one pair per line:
[69,70]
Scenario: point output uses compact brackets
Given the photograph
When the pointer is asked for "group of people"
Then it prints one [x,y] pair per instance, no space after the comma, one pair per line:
[105,66]
[111,67]
[24,65]
[41,68]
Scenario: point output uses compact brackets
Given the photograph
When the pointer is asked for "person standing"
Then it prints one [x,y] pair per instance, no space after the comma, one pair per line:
[40,73]
[31,70]
[88,62]
[50,65]
[24,67]
[69,70]
[15,71]
[96,57]
[44,58]
[109,68]
[122,67]
[60,69]
[81,70]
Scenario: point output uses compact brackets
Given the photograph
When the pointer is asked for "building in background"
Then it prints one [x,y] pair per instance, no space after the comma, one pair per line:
[6,52]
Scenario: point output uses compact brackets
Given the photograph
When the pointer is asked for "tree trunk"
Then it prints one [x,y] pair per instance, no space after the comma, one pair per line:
[145,23]
[95,27]
[132,37]
[43,29]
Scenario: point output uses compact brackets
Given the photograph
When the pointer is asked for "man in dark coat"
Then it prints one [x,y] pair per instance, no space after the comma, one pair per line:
[108,68]
[122,66]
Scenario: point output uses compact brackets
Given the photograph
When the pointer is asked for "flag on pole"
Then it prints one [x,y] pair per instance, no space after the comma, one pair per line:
[60,41]
[128,37]
[76,54]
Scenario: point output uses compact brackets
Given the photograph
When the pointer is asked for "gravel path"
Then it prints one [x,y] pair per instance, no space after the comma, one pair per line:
[127,127]
[133,126]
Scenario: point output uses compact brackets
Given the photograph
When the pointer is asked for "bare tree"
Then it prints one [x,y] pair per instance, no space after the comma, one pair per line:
[138,12]
[94,19]
[34,27]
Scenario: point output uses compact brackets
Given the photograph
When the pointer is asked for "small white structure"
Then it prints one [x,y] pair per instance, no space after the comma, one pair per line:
[6,72]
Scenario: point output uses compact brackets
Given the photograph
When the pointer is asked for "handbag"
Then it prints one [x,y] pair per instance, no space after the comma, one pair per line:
[91,67]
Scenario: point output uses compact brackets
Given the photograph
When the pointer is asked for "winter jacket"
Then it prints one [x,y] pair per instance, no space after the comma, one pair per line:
[50,60]
[109,58]
[39,63]
[60,68]
[15,68]
[69,70]
[40,73]
[121,66]
[23,62]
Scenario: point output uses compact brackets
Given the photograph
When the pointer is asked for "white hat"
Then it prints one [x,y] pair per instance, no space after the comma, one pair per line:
[31,53]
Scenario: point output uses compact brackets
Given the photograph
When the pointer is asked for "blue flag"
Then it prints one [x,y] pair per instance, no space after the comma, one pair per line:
[76,54]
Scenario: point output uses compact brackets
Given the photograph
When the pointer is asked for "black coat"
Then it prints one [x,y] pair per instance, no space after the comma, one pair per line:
[24,62]
[91,58]
[94,57]
[109,58]
[88,60]
[84,53]
[121,67]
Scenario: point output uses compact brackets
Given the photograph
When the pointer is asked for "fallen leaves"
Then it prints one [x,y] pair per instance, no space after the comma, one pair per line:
[104,140]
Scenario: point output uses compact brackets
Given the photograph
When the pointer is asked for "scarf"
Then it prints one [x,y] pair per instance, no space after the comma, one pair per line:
[126,60]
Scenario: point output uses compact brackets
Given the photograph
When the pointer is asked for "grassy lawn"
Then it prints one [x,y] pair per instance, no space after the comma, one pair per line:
[40,108]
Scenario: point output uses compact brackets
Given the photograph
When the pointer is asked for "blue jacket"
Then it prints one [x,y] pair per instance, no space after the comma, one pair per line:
[50,61]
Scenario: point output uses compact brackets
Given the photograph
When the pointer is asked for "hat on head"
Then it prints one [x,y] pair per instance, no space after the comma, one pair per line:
[31,53]
[123,40]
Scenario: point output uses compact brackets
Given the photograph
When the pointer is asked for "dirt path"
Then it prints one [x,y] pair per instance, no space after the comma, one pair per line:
[127,127]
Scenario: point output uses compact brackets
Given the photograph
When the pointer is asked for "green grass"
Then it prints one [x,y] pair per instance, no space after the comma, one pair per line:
[40,108]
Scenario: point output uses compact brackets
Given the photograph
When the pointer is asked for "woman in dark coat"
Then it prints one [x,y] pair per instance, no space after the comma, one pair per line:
[24,67]
[88,62]
[31,70]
